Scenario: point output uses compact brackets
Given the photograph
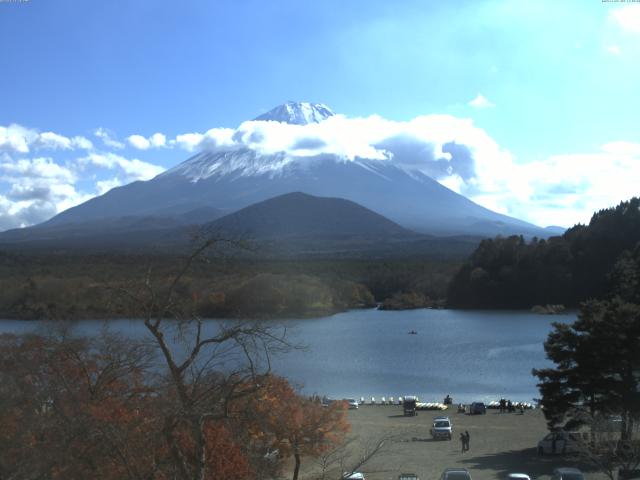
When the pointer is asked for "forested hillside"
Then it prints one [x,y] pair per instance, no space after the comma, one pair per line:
[90,286]
[513,273]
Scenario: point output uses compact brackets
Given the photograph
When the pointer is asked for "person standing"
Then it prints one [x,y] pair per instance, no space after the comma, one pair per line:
[467,439]
[463,442]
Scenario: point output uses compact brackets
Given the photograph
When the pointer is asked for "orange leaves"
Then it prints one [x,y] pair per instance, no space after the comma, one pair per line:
[75,409]
[225,458]
[290,422]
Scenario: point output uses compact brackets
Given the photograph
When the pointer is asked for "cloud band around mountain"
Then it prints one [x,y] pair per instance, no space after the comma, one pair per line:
[561,189]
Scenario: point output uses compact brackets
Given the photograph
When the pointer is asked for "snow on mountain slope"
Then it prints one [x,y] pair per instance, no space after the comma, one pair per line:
[298,113]
[228,178]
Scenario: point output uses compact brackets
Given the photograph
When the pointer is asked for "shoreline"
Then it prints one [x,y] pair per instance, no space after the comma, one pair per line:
[297,316]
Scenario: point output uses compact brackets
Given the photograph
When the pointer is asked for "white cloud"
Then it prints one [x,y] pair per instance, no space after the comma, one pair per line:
[16,138]
[481,102]
[566,189]
[81,142]
[189,141]
[213,139]
[129,169]
[561,189]
[627,17]
[108,138]
[53,141]
[622,148]
[614,50]
[39,188]
[138,141]
[33,190]
[157,140]
[40,168]
[103,186]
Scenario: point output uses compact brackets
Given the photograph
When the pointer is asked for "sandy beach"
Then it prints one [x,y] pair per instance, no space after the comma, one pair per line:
[501,443]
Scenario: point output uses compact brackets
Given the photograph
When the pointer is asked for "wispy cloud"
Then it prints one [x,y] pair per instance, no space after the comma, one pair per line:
[627,17]
[18,139]
[614,49]
[481,102]
[130,169]
[108,138]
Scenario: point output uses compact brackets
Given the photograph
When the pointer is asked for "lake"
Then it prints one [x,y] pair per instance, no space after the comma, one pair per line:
[471,355]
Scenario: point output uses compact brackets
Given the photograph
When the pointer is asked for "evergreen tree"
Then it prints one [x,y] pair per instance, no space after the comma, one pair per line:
[597,366]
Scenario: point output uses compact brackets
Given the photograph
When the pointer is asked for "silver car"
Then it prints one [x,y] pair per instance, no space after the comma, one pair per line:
[442,428]
[455,474]
[567,474]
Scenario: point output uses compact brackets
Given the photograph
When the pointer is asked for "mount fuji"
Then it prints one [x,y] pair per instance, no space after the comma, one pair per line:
[215,183]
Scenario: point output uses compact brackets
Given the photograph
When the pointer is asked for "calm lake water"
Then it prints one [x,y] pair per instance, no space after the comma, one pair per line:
[471,355]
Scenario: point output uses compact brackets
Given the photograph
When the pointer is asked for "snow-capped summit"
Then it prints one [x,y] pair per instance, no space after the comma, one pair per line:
[236,174]
[298,113]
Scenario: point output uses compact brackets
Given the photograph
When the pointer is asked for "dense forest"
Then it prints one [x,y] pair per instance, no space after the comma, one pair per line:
[503,272]
[93,286]
[581,264]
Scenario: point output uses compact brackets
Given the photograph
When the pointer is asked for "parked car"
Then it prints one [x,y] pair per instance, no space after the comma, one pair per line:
[560,442]
[272,455]
[353,476]
[477,408]
[518,476]
[408,476]
[352,402]
[442,428]
[567,474]
[455,474]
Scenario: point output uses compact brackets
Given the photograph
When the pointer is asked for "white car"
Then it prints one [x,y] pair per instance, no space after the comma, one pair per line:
[560,442]
[518,476]
[353,476]
[352,402]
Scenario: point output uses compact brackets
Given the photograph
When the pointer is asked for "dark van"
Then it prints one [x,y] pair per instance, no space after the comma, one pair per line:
[409,406]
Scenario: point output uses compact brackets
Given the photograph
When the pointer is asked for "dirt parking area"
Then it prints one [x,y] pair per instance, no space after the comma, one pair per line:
[501,443]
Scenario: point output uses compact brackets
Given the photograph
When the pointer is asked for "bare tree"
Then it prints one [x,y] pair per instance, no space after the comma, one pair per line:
[209,366]
[352,456]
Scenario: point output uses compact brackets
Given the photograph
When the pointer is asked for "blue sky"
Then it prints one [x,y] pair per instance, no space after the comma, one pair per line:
[553,84]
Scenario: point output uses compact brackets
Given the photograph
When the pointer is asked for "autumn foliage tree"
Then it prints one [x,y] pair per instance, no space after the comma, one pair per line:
[293,425]
[194,401]
[74,408]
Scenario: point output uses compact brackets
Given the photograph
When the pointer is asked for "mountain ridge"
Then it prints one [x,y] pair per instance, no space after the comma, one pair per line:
[231,179]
